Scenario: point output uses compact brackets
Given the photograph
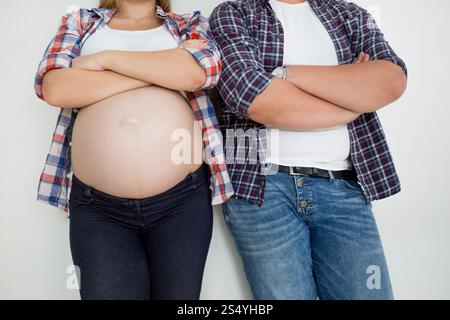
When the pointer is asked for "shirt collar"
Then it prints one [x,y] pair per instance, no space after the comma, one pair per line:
[107,13]
[314,3]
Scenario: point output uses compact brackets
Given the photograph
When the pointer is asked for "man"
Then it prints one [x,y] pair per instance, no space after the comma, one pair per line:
[301,83]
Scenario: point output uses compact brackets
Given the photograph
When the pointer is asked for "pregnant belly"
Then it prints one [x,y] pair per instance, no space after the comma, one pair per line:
[136,144]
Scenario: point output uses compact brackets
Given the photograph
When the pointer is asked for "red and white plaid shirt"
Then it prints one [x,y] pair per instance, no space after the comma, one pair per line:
[75,28]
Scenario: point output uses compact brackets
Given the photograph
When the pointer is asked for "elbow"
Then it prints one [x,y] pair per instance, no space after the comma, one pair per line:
[391,88]
[278,119]
[193,81]
[206,77]
[398,83]
[199,79]
[395,83]
[257,113]
[262,113]
[53,96]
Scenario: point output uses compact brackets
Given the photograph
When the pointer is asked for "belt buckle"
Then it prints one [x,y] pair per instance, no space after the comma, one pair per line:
[292,173]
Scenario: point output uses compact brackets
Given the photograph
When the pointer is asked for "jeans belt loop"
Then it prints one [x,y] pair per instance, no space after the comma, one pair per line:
[331,174]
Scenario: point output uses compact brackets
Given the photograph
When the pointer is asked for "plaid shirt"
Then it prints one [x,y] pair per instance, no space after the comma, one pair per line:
[251,41]
[74,30]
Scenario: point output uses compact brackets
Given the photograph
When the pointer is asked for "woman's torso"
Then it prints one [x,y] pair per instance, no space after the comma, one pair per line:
[138,143]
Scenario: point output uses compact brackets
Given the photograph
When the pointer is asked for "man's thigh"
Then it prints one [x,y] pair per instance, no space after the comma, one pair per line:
[273,241]
[348,257]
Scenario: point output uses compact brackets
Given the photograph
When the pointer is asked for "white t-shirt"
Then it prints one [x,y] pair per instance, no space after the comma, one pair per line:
[307,42]
[106,38]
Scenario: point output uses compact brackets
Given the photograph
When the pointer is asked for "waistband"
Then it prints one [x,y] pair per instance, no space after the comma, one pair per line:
[319,173]
[196,178]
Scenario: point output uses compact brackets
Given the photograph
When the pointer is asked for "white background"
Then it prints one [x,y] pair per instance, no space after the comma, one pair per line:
[34,248]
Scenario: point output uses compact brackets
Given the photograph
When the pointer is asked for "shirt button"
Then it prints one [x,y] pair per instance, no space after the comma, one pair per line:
[300,182]
[304,204]
[75,110]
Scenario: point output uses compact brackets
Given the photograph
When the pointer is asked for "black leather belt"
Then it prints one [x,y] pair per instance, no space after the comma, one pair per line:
[314,172]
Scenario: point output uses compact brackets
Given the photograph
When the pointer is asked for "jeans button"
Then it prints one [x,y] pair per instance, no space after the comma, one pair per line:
[300,182]
[304,204]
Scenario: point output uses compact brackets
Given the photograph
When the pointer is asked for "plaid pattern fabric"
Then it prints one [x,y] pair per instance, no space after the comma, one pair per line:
[74,29]
[251,41]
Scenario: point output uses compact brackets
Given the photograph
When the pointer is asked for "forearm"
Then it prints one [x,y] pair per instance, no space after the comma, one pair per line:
[364,87]
[284,106]
[174,69]
[68,88]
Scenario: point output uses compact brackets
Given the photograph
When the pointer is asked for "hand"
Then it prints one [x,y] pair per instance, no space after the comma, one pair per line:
[362,57]
[90,62]
[195,44]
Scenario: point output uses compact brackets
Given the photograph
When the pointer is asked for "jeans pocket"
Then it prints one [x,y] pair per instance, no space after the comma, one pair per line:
[349,186]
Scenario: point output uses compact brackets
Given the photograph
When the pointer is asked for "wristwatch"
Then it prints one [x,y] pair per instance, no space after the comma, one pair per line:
[280,72]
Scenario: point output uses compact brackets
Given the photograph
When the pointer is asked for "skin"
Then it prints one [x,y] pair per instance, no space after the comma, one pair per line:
[130,102]
[318,97]
[96,77]
[362,88]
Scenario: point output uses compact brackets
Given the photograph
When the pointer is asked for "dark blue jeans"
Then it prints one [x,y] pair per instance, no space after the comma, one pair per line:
[153,248]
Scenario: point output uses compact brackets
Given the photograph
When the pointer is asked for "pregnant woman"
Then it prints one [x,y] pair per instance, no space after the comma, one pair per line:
[126,160]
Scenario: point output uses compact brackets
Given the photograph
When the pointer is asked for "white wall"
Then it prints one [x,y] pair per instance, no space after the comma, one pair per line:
[34,248]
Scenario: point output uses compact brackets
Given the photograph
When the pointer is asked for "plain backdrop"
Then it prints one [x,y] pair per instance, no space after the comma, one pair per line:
[415,225]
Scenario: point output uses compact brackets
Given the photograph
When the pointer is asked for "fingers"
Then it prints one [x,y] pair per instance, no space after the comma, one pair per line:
[199,44]
[362,57]
[358,58]
[366,58]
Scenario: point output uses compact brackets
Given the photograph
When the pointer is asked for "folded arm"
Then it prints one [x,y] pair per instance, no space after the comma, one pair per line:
[173,69]
[64,79]
[196,65]
[70,87]
[251,91]
[59,82]
[364,87]
[284,106]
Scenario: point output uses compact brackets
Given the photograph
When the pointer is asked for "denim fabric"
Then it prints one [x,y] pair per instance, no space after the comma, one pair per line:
[312,238]
[153,248]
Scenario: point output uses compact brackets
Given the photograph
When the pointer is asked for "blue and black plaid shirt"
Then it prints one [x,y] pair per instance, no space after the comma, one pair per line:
[251,41]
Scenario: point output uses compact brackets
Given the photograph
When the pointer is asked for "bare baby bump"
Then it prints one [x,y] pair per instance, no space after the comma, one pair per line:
[136,144]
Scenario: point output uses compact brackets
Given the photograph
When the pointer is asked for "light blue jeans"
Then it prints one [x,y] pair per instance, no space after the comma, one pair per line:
[312,238]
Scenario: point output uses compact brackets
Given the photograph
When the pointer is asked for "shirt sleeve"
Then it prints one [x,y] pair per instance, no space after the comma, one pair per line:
[370,39]
[61,50]
[208,58]
[243,76]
